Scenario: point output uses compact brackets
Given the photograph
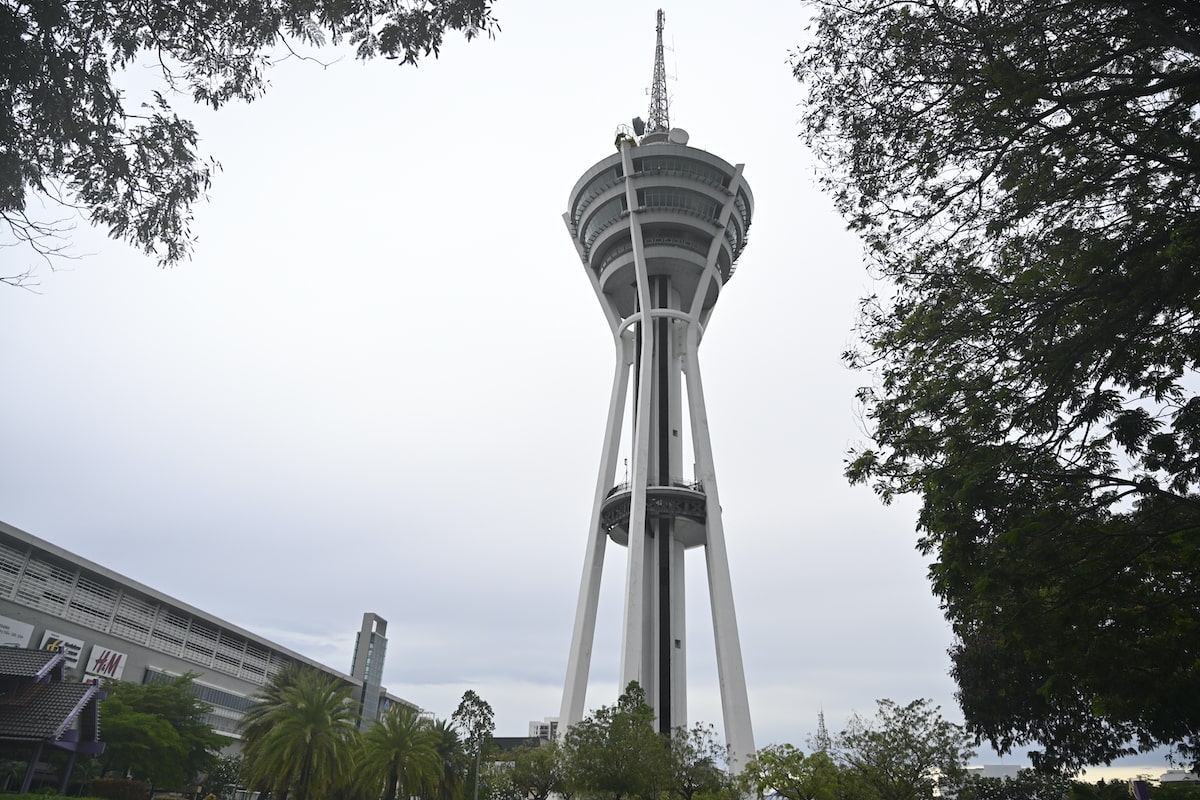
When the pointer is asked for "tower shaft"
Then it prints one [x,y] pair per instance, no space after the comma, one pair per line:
[662,671]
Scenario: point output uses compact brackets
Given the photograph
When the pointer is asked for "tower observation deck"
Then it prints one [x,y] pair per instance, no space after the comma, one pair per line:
[659,227]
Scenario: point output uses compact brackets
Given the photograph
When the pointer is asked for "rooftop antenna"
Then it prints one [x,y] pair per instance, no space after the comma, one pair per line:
[660,120]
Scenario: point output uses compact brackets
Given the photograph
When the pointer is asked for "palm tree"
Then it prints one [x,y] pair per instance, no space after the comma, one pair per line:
[256,722]
[301,735]
[13,771]
[453,760]
[398,755]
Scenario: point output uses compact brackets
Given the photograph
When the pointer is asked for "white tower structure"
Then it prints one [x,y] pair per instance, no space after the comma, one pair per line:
[659,227]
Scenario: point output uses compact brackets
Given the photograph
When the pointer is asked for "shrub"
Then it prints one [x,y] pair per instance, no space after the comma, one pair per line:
[119,789]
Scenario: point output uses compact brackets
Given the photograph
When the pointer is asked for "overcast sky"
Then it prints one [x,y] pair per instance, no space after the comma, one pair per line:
[381,383]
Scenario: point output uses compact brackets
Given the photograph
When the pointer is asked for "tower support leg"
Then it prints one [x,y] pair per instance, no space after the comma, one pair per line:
[636,664]
[583,636]
[735,703]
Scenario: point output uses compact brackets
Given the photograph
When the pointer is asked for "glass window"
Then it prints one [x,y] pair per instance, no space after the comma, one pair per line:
[599,185]
[604,216]
[671,165]
[680,200]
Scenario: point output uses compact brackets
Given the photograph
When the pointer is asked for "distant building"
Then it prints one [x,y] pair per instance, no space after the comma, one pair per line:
[1176,775]
[995,771]
[506,744]
[547,729]
[109,626]
[370,647]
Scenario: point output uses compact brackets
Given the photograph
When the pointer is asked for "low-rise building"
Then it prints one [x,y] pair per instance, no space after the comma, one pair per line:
[110,626]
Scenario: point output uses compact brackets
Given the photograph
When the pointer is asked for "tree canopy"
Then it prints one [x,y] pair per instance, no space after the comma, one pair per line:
[398,757]
[476,720]
[537,772]
[903,752]
[301,734]
[1027,785]
[1024,177]
[699,765]
[453,761]
[786,772]
[615,753]
[69,133]
[156,732]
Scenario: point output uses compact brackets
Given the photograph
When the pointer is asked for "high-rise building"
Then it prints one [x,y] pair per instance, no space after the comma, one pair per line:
[659,226]
[547,729]
[370,648]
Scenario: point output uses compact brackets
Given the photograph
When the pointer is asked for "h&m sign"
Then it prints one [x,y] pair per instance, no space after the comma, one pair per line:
[105,663]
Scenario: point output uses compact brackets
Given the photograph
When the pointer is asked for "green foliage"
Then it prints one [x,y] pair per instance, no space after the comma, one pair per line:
[904,751]
[226,774]
[1100,790]
[497,781]
[452,759]
[83,773]
[537,772]
[72,135]
[256,722]
[156,732]
[787,772]
[697,763]
[12,772]
[615,753]
[1176,790]
[397,758]
[145,745]
[474,718]
[301,734]
[1023,173]
[476,721]
[1028,785]
[119,789]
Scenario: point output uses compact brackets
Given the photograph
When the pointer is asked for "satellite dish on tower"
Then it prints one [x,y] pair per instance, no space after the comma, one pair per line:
[677,136]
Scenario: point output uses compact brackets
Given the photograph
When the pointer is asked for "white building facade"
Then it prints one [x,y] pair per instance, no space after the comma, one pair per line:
[113,627]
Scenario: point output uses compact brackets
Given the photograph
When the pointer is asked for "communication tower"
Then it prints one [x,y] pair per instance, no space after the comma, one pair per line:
[659,227]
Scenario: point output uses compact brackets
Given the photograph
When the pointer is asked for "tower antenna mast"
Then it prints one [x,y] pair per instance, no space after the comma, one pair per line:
[660,121]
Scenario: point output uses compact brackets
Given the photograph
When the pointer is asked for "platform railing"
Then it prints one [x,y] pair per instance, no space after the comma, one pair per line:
[695,486]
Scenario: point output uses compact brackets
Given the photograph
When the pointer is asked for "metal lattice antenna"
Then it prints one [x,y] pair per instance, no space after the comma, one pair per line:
[821,742]
[659,121]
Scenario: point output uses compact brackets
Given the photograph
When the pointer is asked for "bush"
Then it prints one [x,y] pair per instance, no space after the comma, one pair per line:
[119,789]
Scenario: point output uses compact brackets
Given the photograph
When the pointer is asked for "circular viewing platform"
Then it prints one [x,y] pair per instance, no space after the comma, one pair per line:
[682,501]
[679,194]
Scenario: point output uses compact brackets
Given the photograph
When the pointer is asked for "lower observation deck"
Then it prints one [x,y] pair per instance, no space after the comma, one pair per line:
[682,501]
